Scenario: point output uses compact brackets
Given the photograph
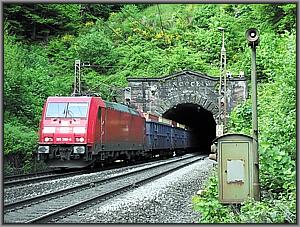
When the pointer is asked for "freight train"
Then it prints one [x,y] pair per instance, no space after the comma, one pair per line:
[79,131]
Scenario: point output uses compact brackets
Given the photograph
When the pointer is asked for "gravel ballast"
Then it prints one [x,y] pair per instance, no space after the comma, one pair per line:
[165,200]
[31,190]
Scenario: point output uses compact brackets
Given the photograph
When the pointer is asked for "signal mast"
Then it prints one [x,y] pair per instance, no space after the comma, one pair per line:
[77,77]
[222,88]
[77,82]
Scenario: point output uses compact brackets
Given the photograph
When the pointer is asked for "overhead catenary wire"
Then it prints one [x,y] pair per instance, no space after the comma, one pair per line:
[128,13]
[93,65]
[119,37]
[149,28]
[103,82]
[127,43]
[124,40]
[122,37]
[97,19]
[111,29]
[146,27]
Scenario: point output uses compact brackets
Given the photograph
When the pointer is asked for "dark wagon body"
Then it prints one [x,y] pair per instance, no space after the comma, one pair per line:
[180,138]
[158,136]
[166,136]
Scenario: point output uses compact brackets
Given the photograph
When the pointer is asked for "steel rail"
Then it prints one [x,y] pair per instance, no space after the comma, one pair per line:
[64,192]
[26,175]
[42,178]
[77,205]
[82,186]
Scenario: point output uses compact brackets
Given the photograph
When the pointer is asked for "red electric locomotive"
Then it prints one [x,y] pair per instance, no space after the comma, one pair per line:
[77,131]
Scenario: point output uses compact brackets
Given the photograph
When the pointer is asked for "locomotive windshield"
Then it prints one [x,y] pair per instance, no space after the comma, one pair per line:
[67,109]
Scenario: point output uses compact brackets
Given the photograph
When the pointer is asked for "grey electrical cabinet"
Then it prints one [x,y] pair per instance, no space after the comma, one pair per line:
[237,168]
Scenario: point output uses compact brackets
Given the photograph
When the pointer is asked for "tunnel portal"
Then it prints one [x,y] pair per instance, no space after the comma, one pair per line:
[187,97]
[200,121]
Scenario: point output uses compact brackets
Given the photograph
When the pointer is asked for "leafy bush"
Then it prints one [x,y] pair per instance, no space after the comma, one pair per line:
[19,139]
[150,41]
[276,114]
[211,211]
[20,143]
[268,210]
[96,47]
[26,80]
[19,148]
[277,141]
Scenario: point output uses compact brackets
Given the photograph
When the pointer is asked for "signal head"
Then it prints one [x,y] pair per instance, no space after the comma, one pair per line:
[252,36]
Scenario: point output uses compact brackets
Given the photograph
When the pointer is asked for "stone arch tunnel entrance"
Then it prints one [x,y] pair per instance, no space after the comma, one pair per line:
[199,120]
[187,97]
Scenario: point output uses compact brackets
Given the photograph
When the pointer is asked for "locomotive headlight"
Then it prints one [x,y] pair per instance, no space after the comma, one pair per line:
[79,139]
[48,139]
[79,149]
[43,150]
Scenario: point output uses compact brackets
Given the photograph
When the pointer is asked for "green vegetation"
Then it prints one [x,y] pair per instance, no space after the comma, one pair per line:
[276,56]
[41,42]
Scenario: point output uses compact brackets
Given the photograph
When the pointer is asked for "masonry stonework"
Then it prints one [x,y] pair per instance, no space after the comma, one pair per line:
[158,95]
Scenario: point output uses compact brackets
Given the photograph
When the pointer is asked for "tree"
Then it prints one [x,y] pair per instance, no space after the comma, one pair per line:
[39,21]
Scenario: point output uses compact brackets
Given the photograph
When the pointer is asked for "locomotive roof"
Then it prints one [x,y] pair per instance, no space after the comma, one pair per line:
[69,98]
[120,107]
[112,105]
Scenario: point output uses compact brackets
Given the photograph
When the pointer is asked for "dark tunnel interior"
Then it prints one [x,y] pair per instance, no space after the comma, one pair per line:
[199,120]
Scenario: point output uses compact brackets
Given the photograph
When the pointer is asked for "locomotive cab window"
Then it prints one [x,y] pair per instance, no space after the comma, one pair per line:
[77,109]
[66,110]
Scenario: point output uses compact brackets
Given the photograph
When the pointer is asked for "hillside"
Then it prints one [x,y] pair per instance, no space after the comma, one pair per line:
[42,41]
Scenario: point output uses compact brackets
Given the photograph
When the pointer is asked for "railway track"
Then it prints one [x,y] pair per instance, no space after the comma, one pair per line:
[51,206]
[22,179]
[21,176]
[38,177]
